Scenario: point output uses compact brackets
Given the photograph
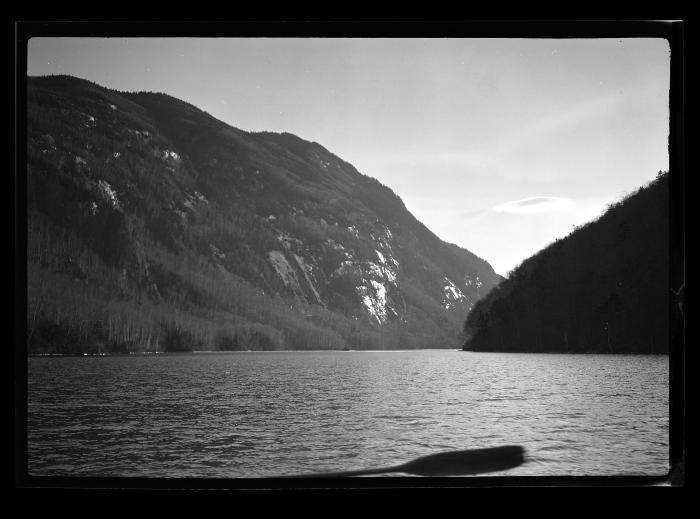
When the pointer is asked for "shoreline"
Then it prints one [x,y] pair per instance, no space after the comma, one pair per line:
[215,352]
[223,352]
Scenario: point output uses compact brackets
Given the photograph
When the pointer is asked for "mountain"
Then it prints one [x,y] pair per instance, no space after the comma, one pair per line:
[153,226]
[604,288]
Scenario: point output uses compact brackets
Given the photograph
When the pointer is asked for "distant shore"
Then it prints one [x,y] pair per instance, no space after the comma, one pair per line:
[218,352]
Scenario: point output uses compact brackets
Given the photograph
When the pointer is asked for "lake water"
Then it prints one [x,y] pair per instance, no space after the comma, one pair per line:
[250,414]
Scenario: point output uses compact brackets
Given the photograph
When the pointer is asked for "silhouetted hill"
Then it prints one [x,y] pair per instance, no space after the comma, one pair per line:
[153,225]
[603,288]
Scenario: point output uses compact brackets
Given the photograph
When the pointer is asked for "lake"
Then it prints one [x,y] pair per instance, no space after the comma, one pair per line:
[250,414]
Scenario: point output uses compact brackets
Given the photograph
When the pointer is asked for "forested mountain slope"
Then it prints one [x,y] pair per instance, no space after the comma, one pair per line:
[154,226]
[603,288]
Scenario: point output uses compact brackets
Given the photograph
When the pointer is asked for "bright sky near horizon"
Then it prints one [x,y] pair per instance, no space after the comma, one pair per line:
[497,145]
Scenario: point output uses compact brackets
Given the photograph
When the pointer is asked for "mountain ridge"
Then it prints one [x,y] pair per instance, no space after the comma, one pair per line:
[150,209]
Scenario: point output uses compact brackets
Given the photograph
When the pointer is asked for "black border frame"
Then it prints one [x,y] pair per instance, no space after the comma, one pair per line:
[673,32]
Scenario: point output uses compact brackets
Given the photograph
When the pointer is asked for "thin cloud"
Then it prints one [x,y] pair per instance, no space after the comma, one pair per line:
[534,204]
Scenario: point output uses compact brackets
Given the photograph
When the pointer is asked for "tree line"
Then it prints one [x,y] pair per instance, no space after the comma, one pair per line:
[604,288]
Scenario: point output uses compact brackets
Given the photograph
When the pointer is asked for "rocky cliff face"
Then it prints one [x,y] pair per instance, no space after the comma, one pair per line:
[173,212]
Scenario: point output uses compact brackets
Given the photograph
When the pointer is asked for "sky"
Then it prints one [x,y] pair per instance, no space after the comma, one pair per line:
[500,146]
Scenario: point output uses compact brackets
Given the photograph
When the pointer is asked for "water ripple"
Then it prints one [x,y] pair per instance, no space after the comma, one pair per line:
[266,414]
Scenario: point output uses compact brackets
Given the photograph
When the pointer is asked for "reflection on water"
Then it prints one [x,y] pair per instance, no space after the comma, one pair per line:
[254,414]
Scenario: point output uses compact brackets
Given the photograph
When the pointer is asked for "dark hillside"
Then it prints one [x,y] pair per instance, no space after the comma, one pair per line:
[603,288]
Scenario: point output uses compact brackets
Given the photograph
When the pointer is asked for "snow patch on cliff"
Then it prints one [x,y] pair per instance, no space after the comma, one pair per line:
[374,300]
[469,282]
[452,294]
[170,155]
[108,194]
[388,267]
[382,272]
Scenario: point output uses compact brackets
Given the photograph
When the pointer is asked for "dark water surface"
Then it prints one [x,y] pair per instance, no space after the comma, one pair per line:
[251,414]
